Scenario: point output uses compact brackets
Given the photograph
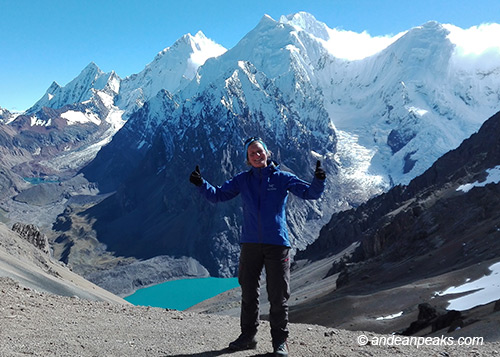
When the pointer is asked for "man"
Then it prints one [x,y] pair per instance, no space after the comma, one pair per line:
[264,238]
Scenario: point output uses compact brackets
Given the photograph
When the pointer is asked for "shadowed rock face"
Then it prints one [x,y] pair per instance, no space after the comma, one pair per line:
[430,316]
[156,211]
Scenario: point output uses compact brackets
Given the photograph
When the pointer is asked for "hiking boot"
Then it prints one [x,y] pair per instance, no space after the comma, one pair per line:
[244,342]
[281,349]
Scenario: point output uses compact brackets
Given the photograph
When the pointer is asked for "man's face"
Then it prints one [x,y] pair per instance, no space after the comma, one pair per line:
[257,156]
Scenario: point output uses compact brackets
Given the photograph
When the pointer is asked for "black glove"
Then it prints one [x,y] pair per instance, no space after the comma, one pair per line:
[319,173]
[195,177]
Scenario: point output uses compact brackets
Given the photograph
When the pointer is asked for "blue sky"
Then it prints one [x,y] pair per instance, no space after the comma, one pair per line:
[46,41]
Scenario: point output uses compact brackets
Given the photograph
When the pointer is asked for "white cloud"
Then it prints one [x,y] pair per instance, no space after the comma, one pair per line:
[475,40]
[355,46]
[477,46]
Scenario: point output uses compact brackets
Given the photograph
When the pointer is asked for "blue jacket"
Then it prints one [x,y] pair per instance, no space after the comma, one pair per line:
[264,193]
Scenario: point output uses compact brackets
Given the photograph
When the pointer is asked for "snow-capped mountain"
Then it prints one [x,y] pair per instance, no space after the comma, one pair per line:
[167,74]
[375,121]
[410,103]
[88,111]
[171,70]
[89,83]
[65,129]
[209,129]
[5,116]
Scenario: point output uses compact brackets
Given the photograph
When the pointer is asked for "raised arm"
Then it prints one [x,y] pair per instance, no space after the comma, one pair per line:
[227,191]
[309,191]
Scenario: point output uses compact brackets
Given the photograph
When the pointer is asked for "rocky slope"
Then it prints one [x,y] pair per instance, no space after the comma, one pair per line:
[41,324]
[47,310]
[21,260]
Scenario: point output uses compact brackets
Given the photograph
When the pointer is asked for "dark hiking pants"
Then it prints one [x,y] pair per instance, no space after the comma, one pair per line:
[276,261]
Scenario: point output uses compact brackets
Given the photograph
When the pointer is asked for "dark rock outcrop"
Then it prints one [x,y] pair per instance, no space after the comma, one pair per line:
[33,235]
[429,316]
[497,306]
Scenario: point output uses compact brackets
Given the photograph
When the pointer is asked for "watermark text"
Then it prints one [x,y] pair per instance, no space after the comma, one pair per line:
[418,341]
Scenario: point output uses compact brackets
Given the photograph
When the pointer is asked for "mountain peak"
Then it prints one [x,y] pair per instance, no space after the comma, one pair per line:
[307,22]
[265,22]
[427,43]
[431,30]
[79,89]
[267,19]
[91,68]
[200,36]
[5,115]
[54,86]
[432,25]
[92,65]
[186,39]
[189,44]
[171,69]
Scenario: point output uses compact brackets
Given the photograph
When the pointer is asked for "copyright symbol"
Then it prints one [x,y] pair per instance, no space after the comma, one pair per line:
[362,340]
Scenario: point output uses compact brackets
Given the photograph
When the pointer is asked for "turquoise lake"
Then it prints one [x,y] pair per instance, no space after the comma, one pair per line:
[38,180]
[181,294]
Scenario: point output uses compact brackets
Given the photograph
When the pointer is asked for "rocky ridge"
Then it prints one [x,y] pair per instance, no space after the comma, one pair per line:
[32,234]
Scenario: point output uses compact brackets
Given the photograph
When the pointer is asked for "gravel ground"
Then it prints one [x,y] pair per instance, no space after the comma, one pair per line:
[42,324]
